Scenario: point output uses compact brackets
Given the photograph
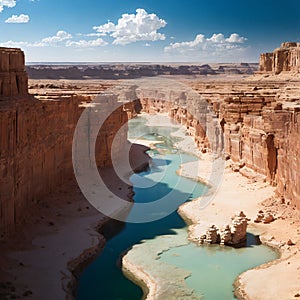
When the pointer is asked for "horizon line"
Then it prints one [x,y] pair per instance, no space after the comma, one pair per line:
[135,62]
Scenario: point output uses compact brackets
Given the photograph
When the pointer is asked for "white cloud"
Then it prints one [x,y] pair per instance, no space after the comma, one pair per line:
[95,34]
[216,46]
[236,38]
[21,44]
[13,44]
[57,39]
[62,39]
[134,27]
[217,38]
[86,44]
[18,19]
[7,3]
[105,28]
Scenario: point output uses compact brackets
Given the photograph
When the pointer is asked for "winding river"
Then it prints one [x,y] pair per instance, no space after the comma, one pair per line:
[213,269]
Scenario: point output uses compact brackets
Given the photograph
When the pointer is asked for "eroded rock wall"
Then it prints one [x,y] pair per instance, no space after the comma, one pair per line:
[256,131]
[36,139]
[36,150]
[288,177]
[261,132]
[286,58]
[13,78]
[187,108]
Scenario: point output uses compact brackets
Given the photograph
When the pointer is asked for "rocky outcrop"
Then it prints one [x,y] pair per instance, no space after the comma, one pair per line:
[264,217]
[286,58]
[13,78]
[232,235]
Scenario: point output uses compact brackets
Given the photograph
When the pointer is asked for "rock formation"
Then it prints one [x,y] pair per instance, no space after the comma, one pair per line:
[13,78]
[232,235]
[238,228]
[286,58]
[264,217]
[212,236]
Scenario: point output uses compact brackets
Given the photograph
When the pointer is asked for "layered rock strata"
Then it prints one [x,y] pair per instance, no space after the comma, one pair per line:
[36,140]
[286,58]
[256,123]
[13,78]
[36,150]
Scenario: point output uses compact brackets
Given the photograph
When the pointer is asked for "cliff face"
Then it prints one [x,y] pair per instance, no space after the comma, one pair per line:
[257,132]
[286,58]
[269,144]
[187,108]
[36,140]
[288,183]
[13,81]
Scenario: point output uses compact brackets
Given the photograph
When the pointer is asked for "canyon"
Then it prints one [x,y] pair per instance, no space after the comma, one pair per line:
[251,122]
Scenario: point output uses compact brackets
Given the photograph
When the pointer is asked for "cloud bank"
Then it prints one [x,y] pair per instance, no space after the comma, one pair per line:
[217,42]
[60,39]
[55,40]
[130,28]
[86,44]
[216,46]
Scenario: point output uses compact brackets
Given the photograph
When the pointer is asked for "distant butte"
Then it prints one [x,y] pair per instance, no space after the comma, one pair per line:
[286,58]
[13,75]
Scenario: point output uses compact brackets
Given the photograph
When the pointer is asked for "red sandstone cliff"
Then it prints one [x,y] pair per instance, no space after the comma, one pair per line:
[36,140]
[258,132]
[13,80]
[286,58]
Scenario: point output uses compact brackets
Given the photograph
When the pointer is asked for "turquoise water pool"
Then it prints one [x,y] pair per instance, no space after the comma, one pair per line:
[214,268]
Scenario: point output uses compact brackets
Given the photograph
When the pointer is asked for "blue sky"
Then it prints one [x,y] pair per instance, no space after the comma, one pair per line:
[148,30]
